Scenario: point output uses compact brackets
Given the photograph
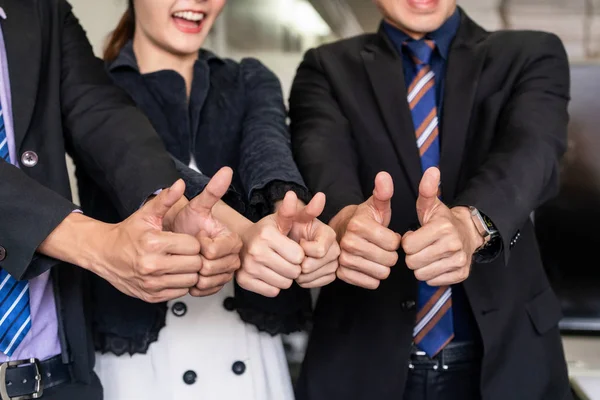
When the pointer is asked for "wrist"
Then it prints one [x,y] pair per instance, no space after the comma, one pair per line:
[473,236]
[78,240]
[340,221]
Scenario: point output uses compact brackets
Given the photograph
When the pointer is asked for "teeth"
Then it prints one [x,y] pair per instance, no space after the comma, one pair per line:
[190,15]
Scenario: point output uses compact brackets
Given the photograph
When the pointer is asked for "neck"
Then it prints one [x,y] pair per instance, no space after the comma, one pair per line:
[151,58]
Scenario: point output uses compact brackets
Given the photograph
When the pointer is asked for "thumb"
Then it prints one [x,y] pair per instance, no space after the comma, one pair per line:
[284,217]
[313,209]
[161,204]
[214,190]
[382,195]
[428,194]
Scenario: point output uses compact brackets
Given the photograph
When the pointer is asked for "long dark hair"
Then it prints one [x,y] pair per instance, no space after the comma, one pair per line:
[121,35]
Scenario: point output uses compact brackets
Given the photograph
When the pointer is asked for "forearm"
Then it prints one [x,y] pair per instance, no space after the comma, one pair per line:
[76,240]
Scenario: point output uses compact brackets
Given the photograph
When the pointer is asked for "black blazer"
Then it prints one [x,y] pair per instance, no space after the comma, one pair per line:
[503,132]
[62,99]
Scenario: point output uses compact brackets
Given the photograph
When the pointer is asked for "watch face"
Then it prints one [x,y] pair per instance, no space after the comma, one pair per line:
[489,224]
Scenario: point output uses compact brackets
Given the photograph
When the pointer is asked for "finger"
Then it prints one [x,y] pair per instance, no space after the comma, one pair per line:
[256,285]
[227,264]
[311,264]
[284,216]
[358,246]
[325,239]
[220,246]
[323,281]
[166,295]
[156,284]
[214,190]
[450,278]
[425,236]
[324,270]
[441,267]
[383,192]
[211,282]
[313,209]
[162,203]
[428,194]
[364,266]
[195,292]
[174,243]
[175,264]
[375,233]
[285,247]
[439,250]
[357,278]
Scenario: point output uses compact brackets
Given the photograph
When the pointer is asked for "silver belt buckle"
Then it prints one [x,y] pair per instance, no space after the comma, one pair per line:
[38,378]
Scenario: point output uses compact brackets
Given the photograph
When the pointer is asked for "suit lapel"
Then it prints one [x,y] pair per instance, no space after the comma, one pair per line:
[22,38]
[384,67]
[465,63]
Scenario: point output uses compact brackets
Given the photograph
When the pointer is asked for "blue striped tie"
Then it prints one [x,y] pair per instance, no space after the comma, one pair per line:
[434,327]
[15,315]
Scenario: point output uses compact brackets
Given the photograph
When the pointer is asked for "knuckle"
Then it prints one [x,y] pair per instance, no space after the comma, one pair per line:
[151,243]
[354,225]
[210,252]
[286,284]
[344,258]
[462,258]
[393,259]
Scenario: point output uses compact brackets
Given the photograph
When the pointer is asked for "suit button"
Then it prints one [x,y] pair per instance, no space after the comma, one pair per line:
[238,367]
[2,253]
[29,159]
[408,305]
[229,304]
[179,309]
[190,377]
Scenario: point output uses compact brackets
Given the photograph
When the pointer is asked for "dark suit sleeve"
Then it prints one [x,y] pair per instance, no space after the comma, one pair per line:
[521,170]
[111,139]
[266,164]
[322,141]
[29,212]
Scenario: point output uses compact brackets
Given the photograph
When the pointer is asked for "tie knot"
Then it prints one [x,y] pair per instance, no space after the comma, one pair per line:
[421,50]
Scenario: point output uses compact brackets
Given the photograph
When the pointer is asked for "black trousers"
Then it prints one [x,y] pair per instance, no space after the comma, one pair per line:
[454,374]
[75,391]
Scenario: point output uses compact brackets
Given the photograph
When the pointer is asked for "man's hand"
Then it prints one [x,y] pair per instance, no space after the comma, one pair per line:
[220,247]
[137,257]
[318,240]
[270,260]
[369,248]
[440,252]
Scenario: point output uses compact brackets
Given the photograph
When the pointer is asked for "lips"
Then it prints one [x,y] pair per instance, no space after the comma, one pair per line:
[189,21]
[423,4]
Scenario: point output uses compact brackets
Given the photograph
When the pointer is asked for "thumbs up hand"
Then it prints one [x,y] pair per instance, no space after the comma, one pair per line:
[141,260]
[319,243]
[220,246]
[368,247]
[270,259]
[440,252]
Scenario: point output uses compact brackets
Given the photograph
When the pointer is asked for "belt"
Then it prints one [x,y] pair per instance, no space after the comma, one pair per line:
[452,354]
[27,379]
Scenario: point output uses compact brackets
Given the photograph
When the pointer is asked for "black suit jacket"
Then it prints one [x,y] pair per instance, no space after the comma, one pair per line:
[62,99]
[503,132]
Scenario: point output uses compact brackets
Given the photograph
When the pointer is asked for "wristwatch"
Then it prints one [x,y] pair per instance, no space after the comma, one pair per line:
[484,225]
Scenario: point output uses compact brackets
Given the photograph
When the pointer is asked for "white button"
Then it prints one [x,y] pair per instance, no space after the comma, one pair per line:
[29,159]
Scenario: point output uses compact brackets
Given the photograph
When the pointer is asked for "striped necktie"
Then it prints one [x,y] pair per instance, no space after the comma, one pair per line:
[15,315]
[434,327]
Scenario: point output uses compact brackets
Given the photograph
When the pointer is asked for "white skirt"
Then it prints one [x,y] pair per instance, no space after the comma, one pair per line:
[208,353]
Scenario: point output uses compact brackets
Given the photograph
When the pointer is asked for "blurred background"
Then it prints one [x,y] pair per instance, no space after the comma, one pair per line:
[278,32]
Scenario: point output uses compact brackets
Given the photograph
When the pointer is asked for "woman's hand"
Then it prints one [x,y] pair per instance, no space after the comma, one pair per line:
[270,260]
[318,240]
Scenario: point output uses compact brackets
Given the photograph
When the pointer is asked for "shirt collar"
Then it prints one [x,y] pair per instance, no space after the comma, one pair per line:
[442,36]
[126,58]
[2,13]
